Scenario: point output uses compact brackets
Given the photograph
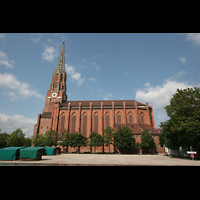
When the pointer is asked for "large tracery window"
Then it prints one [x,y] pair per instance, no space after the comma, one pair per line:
[119,118]
[96,118]
[141,118]
[130,118]
[62,124]
[84,124]
[73,124]
[107,120]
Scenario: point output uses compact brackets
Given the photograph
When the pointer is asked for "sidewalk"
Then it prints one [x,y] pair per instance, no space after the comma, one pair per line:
[105,160]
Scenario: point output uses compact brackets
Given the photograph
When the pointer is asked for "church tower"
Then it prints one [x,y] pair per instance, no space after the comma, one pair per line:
[57,90]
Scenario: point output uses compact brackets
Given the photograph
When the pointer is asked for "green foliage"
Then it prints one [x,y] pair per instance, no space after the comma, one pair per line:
[16,138]
[64,138]
[182,129]
[96,140]
[3,139]
[39,141]
[147,141]
[77,140]
[27,142]
[124,139]
[108,137]
[51,138]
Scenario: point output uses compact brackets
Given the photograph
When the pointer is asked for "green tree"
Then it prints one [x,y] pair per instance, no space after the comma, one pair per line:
[182,128]
[3,139]
[39,141]
[124,140]
[96,140]
[77,140]
[51,138]
[16,138]
[64,139]
[27,142]
[147,141]
[108,137]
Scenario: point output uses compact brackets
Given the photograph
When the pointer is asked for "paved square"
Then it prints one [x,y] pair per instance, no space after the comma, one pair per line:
[103,159]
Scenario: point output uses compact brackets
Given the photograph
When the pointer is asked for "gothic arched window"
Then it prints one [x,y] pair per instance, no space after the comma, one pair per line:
[141,118]
[62,124]
[84,124]
[130,118]
[107,119]
[73,123]
[96,118]
[119,118]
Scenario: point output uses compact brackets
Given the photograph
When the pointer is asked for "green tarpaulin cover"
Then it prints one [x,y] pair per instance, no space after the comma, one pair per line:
[29,152]
[9,153]
[49,150]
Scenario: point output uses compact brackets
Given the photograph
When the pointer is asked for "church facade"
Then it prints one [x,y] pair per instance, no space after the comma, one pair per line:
[88,116]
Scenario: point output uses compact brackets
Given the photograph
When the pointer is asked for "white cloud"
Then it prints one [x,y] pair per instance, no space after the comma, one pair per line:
[49,53]
[96,66]
[75,76]
[126,73]
[91,63]
[159,96]
[69,69]
[107,96]
[147,84]
[11,123]
[4,60]
[91,79]
[18,88]
[182,59]
[2,35]
[193,37]
[35,40]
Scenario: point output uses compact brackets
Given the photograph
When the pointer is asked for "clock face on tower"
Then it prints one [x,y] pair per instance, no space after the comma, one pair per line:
[54,95]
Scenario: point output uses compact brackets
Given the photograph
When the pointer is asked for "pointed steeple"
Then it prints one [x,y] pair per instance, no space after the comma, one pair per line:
[61,61]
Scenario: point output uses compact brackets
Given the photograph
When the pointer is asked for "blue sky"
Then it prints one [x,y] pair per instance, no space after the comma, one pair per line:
[146,67]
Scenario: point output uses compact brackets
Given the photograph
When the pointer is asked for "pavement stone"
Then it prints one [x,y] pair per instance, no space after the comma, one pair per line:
[104,160]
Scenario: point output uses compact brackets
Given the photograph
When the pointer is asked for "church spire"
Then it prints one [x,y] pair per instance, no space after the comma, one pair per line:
[61,61]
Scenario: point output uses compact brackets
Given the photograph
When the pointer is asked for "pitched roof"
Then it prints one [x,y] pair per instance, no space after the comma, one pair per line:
[46,115]
[138,128]
[98,102]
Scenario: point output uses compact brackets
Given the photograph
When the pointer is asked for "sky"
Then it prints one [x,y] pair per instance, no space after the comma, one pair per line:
[146,67]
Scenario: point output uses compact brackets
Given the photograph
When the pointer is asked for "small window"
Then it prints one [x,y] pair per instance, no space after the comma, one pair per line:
[137,136]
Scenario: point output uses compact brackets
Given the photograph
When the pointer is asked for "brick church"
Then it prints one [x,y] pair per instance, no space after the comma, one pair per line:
[88,116]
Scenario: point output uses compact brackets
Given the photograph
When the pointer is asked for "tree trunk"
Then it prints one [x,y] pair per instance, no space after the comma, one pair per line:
[109,148]
[78,149]
[67,148]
